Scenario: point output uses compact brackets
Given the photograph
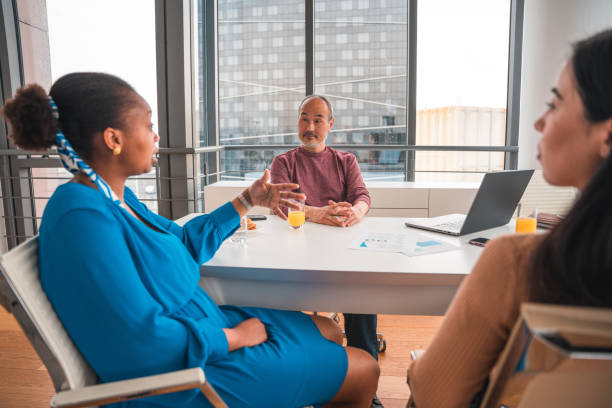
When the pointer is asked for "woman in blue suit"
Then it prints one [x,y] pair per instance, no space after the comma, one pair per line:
[124,281]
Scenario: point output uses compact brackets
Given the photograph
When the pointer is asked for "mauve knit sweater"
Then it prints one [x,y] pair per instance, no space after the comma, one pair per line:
[328,175]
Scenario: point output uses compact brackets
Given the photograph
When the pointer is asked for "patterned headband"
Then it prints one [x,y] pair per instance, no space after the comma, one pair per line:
[74,164]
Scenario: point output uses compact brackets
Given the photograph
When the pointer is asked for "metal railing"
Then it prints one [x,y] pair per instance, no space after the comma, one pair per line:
[21,213]
[37,174]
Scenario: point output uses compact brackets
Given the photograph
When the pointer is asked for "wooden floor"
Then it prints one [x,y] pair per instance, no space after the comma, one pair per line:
[24,382]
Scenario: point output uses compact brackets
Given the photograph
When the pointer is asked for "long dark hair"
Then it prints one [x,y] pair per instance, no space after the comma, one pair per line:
[87,102]
[573,264]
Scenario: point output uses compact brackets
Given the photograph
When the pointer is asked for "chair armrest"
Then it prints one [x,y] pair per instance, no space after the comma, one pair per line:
[101,394]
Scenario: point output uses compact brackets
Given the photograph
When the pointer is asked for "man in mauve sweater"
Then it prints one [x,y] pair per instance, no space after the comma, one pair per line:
[335,194]
[331,179]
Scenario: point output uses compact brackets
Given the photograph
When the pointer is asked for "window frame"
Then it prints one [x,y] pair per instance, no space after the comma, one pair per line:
[17,201]
[510,149]
[190,159]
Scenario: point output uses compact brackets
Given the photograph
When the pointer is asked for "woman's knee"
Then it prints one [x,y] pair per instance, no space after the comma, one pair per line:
[367,365]
[329,329]
[361,380]
[364,369]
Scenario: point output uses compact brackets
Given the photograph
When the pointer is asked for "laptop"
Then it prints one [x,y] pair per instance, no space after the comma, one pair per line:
[494,204]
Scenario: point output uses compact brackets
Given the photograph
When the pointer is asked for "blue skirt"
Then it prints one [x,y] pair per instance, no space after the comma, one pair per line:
[295,367]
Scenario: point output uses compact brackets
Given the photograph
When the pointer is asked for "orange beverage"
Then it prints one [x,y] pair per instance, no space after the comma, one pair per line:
[296,219]
[296,216]
[524,224]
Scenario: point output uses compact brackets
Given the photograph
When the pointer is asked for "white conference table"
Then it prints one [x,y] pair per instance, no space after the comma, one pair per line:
[313,269]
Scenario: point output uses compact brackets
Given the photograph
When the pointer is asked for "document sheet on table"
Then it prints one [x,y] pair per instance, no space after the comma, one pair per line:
[407,244]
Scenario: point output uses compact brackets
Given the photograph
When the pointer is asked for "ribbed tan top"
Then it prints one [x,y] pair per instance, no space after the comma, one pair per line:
[476,326]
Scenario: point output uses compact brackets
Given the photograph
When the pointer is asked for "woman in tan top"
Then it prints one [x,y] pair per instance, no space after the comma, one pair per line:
[571,265]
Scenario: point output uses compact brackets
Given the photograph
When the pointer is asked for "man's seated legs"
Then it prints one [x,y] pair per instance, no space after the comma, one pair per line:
[360,332]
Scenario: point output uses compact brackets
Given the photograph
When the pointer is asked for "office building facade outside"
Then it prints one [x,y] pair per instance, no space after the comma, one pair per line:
[360,58]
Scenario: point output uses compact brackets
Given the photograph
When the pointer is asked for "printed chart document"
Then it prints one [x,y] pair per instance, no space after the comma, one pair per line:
[411,245]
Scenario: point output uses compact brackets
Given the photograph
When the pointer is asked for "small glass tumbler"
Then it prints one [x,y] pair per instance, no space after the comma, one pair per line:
[296,216]
[240,236]
[526,224]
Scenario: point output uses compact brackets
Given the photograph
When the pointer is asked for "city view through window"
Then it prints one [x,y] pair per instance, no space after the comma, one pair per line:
[127,51]
[360,60]
[360,54]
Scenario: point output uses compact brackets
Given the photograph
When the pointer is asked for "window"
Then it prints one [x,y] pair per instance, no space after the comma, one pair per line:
[355,95]
[269,89]
[388,120]
[464,105]
[73,30]
[359,63]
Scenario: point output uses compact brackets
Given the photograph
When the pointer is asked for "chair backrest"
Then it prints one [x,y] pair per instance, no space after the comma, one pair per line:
[27,301]
[557,356]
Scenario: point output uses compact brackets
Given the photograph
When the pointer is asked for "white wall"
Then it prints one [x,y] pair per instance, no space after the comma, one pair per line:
[550,27]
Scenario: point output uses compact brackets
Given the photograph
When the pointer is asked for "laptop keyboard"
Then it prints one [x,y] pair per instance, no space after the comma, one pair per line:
[449,226]
[447,223]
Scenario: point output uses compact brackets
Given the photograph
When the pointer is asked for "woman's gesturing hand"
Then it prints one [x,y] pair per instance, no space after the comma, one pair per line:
[247,333]
[273,196]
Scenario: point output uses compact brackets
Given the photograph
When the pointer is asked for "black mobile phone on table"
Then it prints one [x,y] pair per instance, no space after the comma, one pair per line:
[256,217]
[478,241]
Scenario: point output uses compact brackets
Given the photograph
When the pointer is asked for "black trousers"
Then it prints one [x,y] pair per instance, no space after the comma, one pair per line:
[360,332]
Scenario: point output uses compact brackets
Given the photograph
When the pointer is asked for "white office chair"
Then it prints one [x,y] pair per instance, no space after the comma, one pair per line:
[74,381]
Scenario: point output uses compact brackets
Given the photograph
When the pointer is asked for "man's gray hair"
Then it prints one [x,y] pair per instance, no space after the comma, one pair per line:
[324,99]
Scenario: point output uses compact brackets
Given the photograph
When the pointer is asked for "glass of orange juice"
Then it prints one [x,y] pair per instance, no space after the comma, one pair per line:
[526,224]
[297,217]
